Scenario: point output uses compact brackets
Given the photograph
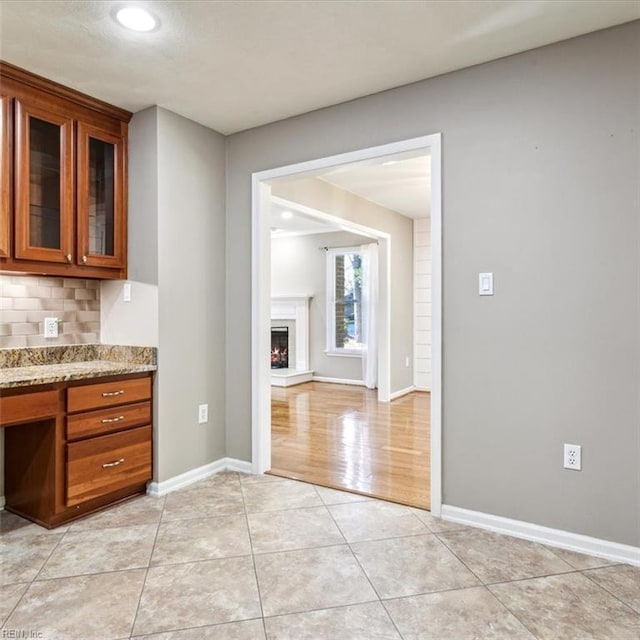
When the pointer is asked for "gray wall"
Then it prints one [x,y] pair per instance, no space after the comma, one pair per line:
[299,268]
[540,186]
[143,197]
[177,229]
[321,195]
[191,231]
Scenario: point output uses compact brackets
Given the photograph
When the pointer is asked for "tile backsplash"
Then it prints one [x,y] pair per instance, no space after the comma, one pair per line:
[25,301]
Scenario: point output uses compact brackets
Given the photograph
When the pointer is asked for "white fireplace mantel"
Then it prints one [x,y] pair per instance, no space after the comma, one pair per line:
[295,308]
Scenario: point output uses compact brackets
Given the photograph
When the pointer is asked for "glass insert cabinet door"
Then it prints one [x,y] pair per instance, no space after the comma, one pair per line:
[100,197]
[44,184]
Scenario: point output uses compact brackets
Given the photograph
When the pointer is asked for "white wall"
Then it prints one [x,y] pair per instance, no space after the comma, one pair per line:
[321,195]
[299,268]
[132,323]
[422,304]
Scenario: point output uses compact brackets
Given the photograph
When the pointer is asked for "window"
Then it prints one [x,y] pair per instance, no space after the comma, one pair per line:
[344,301]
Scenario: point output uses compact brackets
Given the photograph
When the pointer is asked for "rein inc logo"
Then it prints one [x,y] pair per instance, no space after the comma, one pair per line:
[21,633]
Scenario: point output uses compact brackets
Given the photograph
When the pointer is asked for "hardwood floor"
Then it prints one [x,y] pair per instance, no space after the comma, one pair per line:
[340,436]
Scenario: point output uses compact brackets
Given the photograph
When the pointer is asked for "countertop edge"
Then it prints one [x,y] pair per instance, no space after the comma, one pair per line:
[51,378]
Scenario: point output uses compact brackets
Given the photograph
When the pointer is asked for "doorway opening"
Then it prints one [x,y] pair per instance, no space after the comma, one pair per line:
[263,184]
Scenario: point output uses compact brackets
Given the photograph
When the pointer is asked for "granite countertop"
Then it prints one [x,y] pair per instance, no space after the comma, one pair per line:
[43,365]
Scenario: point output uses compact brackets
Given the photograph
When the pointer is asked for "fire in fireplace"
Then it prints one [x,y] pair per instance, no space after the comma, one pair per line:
[279,347]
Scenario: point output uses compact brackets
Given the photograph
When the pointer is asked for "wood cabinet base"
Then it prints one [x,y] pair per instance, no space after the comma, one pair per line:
[80,511]
[74,448]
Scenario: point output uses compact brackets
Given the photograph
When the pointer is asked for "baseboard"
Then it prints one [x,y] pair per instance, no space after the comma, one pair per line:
[417,388]
[291,379]
[233,464]
[199,473]
[402,392]
[553,537]
[357,383]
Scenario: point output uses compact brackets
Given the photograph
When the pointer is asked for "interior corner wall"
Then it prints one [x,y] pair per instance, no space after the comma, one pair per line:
[325,197]
[176,266]
[191,281]
[136,322]
[540,186]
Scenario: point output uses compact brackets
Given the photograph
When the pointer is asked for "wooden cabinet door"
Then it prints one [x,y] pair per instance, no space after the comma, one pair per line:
[101,214]
[44,207]
[5,172]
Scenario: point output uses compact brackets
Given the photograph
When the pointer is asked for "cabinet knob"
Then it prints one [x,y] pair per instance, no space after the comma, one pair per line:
[84,259]
[69,257]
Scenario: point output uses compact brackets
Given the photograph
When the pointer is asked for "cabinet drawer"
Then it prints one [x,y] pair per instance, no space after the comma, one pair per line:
[108,394]
[97,423]
[28,407]
[101,465]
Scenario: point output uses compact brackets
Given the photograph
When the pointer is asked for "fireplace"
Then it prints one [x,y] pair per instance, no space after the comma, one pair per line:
[279,347]
[290,330]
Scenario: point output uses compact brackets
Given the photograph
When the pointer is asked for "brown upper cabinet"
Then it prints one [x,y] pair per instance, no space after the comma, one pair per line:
[5,173]
[63,175]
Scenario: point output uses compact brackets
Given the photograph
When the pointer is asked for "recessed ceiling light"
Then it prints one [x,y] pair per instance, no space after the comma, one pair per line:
[390,162]
[136,19]
[286,215]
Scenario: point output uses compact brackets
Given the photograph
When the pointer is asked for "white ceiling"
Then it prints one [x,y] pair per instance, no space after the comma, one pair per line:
[299,224]
[232,65]
[403,186]
[400,183]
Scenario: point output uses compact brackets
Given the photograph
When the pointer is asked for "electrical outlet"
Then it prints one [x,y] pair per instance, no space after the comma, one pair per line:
[50,328]
[573,457]
[203,413]
[406,361]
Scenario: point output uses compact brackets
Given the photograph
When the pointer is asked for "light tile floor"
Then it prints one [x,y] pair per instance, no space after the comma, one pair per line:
[239,557]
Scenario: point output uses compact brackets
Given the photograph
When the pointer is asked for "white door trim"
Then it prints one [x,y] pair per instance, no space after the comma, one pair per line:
[261,302]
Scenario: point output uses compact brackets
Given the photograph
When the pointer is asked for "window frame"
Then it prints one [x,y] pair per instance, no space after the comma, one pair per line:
[330,348]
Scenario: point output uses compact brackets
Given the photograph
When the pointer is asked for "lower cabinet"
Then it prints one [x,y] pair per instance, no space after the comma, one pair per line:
[99,466]
[75,448]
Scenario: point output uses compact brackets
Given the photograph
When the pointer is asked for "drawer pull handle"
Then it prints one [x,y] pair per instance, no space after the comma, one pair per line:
[110,420]
[113,464]
[110,394]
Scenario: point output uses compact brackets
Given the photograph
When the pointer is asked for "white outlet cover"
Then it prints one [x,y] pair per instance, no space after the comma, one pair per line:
[203,413]
[573,457]
[50,329]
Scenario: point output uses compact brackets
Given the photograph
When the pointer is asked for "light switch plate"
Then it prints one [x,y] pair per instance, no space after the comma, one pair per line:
[126,292]
[485,284]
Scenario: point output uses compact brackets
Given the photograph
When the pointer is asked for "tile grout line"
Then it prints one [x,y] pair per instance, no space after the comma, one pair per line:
[200,626]
[366,575]
[484,585]
[253,558]
[44,564]
[446,546]
[513,613]
[146,573]
[27,587]
[355,557]
[626,604]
